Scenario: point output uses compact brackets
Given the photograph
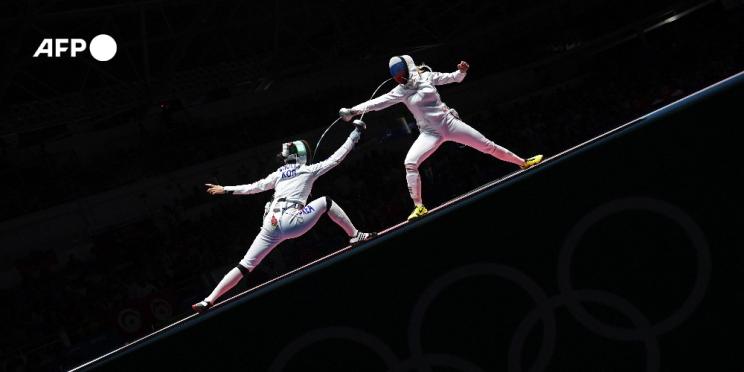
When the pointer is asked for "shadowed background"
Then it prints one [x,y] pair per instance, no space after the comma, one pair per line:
[107,233]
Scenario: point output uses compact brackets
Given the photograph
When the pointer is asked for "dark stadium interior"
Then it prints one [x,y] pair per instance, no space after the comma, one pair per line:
[103,212]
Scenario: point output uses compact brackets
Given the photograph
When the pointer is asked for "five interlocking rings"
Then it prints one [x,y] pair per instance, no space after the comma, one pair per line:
[545,306]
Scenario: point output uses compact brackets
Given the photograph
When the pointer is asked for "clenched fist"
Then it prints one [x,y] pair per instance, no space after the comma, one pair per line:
[347,114]
[463,66]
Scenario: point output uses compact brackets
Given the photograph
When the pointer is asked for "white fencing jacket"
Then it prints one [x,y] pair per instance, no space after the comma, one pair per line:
[419,95]
[295,181]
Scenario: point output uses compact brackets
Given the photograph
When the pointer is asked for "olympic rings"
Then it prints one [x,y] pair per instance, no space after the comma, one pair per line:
[544,311]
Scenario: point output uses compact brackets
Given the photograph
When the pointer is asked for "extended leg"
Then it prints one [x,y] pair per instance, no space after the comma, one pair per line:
[262,246]
[462,133]
[230,280]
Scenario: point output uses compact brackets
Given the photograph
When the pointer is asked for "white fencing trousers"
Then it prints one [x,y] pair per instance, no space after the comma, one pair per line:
[456,131]
[292,223]
[278,227]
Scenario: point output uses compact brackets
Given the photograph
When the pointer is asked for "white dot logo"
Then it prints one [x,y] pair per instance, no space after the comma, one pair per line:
[103,47]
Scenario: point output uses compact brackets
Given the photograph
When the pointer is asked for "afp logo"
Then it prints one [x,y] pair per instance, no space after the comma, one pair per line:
[102,47]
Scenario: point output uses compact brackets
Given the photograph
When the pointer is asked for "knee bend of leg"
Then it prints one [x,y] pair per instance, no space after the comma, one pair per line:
[329,203]
[493,147]
[411,167]
[243,270]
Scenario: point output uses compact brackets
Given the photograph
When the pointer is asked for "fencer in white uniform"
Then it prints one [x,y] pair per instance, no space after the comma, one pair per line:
[437,123]
[287,216]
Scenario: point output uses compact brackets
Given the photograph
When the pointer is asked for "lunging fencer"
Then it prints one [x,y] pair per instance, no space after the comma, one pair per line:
[287,216]
[437,123]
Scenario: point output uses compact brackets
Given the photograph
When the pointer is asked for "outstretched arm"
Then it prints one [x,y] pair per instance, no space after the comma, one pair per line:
[324,166]
[267,183]
[376,104]
[440,78]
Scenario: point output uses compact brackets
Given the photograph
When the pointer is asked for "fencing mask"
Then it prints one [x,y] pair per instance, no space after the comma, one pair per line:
[398,70]
[296,152]
[403,70]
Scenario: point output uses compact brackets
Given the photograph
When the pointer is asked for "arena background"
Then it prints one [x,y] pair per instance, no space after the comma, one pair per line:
[106,233]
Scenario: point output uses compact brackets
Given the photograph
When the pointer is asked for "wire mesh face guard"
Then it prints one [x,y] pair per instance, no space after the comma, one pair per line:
[295,152]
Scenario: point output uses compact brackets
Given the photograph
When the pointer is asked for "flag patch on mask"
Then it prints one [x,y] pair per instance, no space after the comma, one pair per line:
[399,70]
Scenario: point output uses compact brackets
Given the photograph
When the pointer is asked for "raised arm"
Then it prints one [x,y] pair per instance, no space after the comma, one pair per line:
[267,183]
[324,166]
[441,78]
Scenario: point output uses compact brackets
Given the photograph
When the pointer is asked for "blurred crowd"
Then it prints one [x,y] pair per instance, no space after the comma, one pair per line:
[131,280]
